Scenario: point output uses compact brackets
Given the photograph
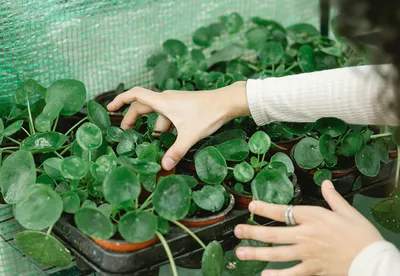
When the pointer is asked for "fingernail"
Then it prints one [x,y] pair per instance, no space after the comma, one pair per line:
[240,253]
[238,232]
[169,163]
[110,105]
[329,185]
[252,207]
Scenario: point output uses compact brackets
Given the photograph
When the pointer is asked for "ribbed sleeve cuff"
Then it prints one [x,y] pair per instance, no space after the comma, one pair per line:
[254,91]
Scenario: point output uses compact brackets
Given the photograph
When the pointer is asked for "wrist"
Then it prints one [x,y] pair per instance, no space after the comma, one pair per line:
[234,100]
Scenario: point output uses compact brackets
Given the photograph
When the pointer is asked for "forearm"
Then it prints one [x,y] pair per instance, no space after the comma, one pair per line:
[357,95]
[378,259]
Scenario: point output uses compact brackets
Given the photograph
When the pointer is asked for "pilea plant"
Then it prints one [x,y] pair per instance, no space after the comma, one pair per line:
[332,144]
[95,172]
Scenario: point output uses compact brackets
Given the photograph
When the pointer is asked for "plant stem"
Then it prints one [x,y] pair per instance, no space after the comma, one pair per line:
[77,124]
[381,135]
[49,230]
[31,126]
[27,132]
[251,216]
[396,185]
[169,253]
[66,149]
[55,124]
[9,148]
[12,140]
[59,155]
[146,203]
[40,171]
[90,155]
[229,168]
[273,68]
[263,157]
[184,228]
[136,203]
[294,65]
[252,66]
[11,112]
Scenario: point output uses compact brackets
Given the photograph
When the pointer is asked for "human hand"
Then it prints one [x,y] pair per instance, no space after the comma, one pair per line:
[195,115]
[326,242]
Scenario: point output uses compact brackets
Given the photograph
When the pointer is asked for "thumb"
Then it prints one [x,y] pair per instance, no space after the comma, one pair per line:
[334,199]
[176,152]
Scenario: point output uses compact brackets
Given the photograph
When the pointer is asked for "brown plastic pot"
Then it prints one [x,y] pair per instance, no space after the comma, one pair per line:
[144,194]
[288,145]
[242,201]
[123,246]
[219,216]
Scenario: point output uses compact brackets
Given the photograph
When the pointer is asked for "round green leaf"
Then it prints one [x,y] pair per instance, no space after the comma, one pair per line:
[273,187]
[386,213]
[188,70]
[13,128]
[211,166]
[62,187]
[83,195]
[74,167]
[98,115]
[277,166]
[94,223]
[17,173]
[197,55]
[121,186]
[297,128]
[71,202]
[52,167]
[325,62]
[209,198]
[271,53]
[167,139]
[89,136]
[105,208]
[322,175]
[175,48]
[46,180]
[302,33]
[45,119]
[126,147]
[357,184]
[232,23]
[332,126]
[234,150]
[26,89]
[148,181]
[40,208]
[203,37]
[76,150]
[89,204]
[259,142]
[102,167]
[44,142]
[163,71]
[138,227]
[172,84]
[281,157]
[139,166]
[148,152]
[382,149]
[155,59]
[352,143]
[368,161]
[331,162]
[239,67]
[71,93]
[212,263]
[306,59]
[43,248]
[307,153]
[114,134]
[243,172]
[327,146]
[230,52]
[163,226]
[190,180]
[171,199]
[256,37]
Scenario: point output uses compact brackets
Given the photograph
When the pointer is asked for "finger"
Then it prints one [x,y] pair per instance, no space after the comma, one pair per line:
[177,151]
[334,199]
[144,96]
[301,269]
[281,235]
[135,111]
[163,124]
[271,254]
[277,212]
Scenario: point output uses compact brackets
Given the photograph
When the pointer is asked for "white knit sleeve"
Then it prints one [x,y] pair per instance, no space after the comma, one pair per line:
[377,259]
[357,95]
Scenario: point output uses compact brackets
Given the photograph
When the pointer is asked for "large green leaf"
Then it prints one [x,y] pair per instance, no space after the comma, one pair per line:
[306,59]
[327,146]
[307,153]
[209,198]
[283,158]
[43,248]
[332,126]
[211,166]
[74,167]
[387,213]
[212,262]
[89,136]
[121,186]
[271,53]
[259,142]
[138,227]
[352,143]
[44,142]
[234,150]
[297,128]
[17,173]
[322,175]
[94,223]
[71,93]
[175,48]
[139,166]
[368,161]
[243,172]
[302,33]
[171,199]
[98,115]
[230,52]
[273,187]
[40,208]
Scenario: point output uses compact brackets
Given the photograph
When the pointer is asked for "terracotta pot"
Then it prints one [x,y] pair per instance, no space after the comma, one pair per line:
[123,246]
[242,201]
[144,194]
[393,154]
[219,216]
[288,145]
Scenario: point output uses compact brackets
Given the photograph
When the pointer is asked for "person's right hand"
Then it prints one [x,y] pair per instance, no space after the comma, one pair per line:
[195,115]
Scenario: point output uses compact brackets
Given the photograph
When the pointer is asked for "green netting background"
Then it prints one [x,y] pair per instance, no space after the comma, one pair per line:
[103,43]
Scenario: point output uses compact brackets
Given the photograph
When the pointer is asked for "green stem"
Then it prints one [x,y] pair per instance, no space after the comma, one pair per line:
[10,114]
[66,149]
[59,155]
[184,228]
[263,157]
[31,126]
[77,124]
[27,132]
[294,65]
[252,66]
[229,168]
[381,135]
[251,216]
[40,171]
[55,124]
[9,148]
[273,68]
[146,203]
[169,253]
[396,185]
[49,230]
[136,203]
[90,155]
[12,140]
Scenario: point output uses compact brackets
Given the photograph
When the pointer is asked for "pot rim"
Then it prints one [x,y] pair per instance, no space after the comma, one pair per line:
[124,242]
[219,214]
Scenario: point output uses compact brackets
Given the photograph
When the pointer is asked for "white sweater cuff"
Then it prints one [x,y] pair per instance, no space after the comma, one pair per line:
[254,91]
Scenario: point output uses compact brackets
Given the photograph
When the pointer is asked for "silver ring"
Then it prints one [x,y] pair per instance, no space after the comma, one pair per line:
[289,217]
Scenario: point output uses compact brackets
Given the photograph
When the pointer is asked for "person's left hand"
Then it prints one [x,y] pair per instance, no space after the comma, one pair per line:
[326,242]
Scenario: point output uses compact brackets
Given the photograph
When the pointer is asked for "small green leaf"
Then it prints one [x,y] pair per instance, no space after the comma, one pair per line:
[273,187]
[367,135]
[172,84]
[256,37]
[163,226]
[281,157]
[352,143]
[197,55]
[148,153]
[357,184]
[209,198]
[188,70]
[89,204]
[190,180]
[297,128]
[43,248]
[212,262]
[171,199]
[332,51]
[44,120]
[232,23]
[331,162]
[121,186]
[332,126]
[62,187]
[102,167]
[259,142]
[167,139]
[175,48]
[98,115]
[44,142]
[327,146]
[239,67]
[239,187]
[83,195]
[302,33]
[386,213]
[52,167]
[114,134]
[94,223]
[322,175]
[163,71]
[148,181]
[126,147]
[383,150]
[223,137]
[74,167]
[325,62]
[211,166]
[139,166]
[46,180]
[138,227]
[271,53]
[71,202]
[89,136]
[277,166]
[11,129]
[368,161]
[155,59]
[26,89]
[306,59]
[307,153]
[105,208]
[234,150]
[230,52]
[243,172]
